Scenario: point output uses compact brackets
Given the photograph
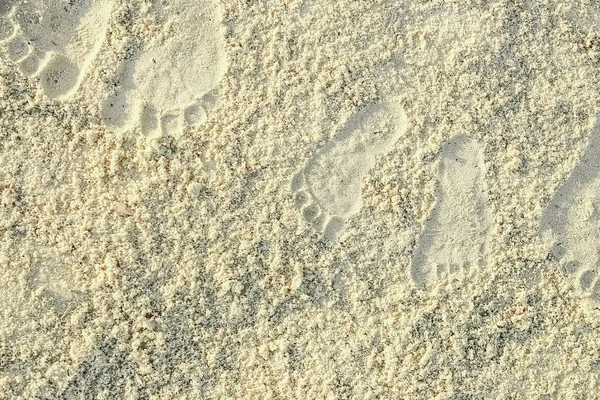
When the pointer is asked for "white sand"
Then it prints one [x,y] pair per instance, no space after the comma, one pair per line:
[299,199]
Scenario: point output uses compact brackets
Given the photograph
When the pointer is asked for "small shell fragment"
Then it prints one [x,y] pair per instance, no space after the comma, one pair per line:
[124,209]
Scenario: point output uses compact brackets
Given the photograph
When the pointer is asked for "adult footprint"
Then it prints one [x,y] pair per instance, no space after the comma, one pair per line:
[173,80]
[456,235]
[572,218]
[54,39]
[327,189]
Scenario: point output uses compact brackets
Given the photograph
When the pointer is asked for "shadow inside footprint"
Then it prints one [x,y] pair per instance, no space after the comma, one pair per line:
[59,76]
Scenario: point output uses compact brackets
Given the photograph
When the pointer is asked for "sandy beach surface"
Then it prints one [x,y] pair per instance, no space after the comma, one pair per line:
[300,199]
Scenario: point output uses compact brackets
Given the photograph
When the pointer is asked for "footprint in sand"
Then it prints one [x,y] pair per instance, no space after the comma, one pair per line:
[54,40]
[327,189]
[52,275]
[572,219]
[456,234]
[172,81]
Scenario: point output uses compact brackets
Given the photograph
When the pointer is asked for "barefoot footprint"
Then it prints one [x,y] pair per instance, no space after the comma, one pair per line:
[54,40]
[456,234]
[54,277]
[572,220]
[172,81]
[328,189]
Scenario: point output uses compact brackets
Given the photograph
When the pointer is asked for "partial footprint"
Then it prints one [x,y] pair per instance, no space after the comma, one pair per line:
[328,189]
[456,235]
[54,39]
[172,81]
[54,277]
[572,219]
[44,273]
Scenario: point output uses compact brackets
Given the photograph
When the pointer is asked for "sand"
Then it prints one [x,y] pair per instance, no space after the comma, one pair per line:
[253,199]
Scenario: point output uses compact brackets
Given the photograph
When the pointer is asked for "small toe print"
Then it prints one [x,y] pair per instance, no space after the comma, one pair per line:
[441,270]
[59,76]
[18,48]
[170,124]
[557,251]
[319,221]
[297,181]
[30,65]
[149,120]
[454,268]
[210,100]
[572,266]
[310,212]
[300,198]
[596,290]
[587,278]
[114,111]
[333,228]
[194,115]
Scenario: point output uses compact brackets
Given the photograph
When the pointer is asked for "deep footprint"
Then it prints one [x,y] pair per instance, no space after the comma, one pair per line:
[572,219]
[54,40]
[328,189]
[172,82]
[456,235]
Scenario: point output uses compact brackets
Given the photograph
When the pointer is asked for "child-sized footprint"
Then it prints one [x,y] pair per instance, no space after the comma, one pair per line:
[172,81]
[54,40]
[572,220]
[327,189]
[456,234]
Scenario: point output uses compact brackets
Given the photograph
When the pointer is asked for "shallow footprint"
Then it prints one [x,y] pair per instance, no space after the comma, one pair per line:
[456,235]
[572,220]
[172,82]
[328,189]
[55,40]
